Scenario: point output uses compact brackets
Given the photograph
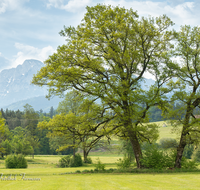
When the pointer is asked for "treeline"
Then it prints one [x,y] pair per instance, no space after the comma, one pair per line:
[24,137]
[20,134]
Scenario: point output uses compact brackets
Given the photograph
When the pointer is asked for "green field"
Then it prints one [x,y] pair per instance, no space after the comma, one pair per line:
[52,177]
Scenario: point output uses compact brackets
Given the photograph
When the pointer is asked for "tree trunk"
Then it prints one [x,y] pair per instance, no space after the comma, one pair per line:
[184,133]
[136,147]
[180,150]
[74,151]
[85,155]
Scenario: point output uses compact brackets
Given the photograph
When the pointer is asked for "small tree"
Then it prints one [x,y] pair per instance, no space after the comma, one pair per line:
[4,132]
[20,144]
[83,127]
[30,123]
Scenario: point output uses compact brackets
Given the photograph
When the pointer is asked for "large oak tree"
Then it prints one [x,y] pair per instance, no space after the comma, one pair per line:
[106,56]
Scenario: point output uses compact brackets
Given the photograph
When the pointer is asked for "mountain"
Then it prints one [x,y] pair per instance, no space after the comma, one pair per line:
[37,103]
[15,86]
[16,89]
[4,63]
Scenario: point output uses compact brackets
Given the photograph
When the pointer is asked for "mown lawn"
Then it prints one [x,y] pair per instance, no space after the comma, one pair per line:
[53,178]
[106,181]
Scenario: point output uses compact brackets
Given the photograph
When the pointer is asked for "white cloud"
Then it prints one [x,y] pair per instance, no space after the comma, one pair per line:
[30,52]
[181,14]
[70,6]
[10,5]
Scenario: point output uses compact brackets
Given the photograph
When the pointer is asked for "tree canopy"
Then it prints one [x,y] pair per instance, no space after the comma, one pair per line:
[81,123]
[187,85]
[106,56]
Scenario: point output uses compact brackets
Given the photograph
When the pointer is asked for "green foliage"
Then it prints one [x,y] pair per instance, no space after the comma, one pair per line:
[107,57]
[166,143]
[30,123]
[88,160]
[99,165]
[187,84]
[64,161]
[126,149]
[188,164]
[20,143]
[196,155]
[7,147]
[78,124]
[124,163]
[3,133]
[76,161]
[155,114]
[155,158]
[188,151]
[70,161]
[16,161]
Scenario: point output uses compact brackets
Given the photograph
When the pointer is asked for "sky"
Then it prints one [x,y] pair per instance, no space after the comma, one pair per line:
[29,29]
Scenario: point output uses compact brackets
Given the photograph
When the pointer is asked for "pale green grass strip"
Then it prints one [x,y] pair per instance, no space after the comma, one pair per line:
[108,182]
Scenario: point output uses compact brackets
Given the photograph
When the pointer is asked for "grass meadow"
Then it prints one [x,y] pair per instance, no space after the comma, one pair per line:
[54,178]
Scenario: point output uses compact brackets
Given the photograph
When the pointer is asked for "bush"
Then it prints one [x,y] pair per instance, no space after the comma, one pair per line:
[166,143]
[124,163]
[157,159]
[188,164]
[89,161]
[99,166]
[16,161]
[69,161]
[64,161]
[76,162]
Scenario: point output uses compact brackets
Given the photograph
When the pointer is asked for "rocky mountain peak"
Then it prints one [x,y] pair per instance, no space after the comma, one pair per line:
[15,83]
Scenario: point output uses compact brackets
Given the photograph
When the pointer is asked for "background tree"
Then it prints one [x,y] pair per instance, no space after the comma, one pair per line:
[82,123]
[4,133]
[20,143]
[106,56]
[30,123]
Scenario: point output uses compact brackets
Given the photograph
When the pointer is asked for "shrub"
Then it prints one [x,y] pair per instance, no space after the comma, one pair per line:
[76,162]
[16,161]
[89,161]
[188,164]
[155,158]
[69,161]
[99,165]
[64,161]
[124,163]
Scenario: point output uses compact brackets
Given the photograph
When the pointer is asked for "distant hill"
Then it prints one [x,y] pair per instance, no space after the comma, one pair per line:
[37,103]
